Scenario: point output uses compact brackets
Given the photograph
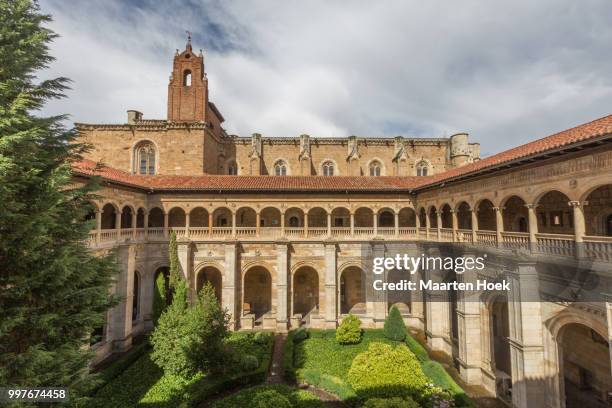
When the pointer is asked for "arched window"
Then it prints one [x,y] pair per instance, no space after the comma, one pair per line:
[422,168]
[375,168]
[187,78]
[280,168]
[328,168]
[232,168]
[145,158]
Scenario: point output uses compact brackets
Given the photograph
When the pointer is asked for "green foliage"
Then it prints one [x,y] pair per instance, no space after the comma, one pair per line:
[191,339]
[270,399]
[300,335]
[349,331]
[384,371]
[395,402]
[441,378]
[159,297]
[53,290]
[268,396]
[249,362]
[417,348]
[175,267]
[288,357]
[262,337]
[395,329]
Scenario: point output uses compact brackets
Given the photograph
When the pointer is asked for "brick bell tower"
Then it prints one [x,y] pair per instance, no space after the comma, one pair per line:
[188,87]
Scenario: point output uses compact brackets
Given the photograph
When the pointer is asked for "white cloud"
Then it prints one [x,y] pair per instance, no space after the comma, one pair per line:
[504,72]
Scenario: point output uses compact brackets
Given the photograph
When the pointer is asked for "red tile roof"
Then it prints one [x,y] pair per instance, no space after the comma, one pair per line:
[592,130]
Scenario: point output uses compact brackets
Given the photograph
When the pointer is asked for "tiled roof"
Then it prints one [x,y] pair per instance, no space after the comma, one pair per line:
[249,183]
[585,132]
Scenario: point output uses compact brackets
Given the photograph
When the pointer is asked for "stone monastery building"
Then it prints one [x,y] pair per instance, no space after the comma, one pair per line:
[286,229]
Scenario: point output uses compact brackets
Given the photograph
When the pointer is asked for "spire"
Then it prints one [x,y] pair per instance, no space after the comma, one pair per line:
[188,46]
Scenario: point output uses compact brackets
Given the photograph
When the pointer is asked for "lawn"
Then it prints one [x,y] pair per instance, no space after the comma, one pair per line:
[321,361]
[143,383]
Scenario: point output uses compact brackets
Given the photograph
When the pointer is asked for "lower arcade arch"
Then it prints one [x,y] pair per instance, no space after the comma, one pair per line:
[352,291]
[306,292]
[212,275]
[257,292]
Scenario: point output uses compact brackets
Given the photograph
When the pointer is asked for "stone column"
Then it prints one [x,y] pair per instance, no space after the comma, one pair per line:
[609,321]
[533,226]
[438,312]
[118,221]
[331,288]
[148,285]
[282,279]
[474,214]
[375,222]
[579,226]
[231,299]
[455,224]
[439,224]
[305,224]
[134,220]
[427,225]
[165,224]
[469,329]
[499,225]
[257,223]
[124,288]
[282,224]
[184,250]
[352,216]
[526,336]
[233,223]
[396,223]
[146,224]
[187,223]
[376,304]
[210,223]
[329,222]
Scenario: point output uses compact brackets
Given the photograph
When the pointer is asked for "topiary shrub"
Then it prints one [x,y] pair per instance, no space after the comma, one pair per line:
[261,337]
[395,329]
[383,371]
[349,331]
[248,362]
[270,399]
[300,334]
[395,402]
[191,339]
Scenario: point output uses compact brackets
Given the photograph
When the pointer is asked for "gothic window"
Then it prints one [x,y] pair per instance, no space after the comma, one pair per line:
[422,168]
[375,168]
[328,168]
[280,168]
[145,159]
[232,169]
[187,78]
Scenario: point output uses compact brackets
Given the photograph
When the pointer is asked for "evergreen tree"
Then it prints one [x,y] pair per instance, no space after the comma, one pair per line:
[394,328]
[53,290]
[159,297]
[175,269]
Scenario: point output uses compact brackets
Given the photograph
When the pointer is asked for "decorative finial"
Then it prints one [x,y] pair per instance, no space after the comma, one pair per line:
[188,36]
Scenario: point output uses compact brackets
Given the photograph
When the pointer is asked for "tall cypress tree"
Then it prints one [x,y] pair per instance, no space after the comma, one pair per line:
[53,290]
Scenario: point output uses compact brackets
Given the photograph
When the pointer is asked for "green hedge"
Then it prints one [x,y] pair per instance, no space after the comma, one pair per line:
[260,396]
[417,348]
[288,357]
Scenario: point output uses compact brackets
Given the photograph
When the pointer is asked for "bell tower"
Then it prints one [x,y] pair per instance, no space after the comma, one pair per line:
[188,87]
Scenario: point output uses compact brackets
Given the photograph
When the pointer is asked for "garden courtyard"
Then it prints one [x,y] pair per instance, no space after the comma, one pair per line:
[347,367]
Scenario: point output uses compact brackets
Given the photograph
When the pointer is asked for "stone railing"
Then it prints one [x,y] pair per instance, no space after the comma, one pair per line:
[595,248]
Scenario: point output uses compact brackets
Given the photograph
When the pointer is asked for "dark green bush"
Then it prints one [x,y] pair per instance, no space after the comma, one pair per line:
[288,350]
[349,331]
[261,337]
[270,399]
[395,402]
[417,348]
[300,335]
[159,297]
[249,362]
[383,371]
[395,329]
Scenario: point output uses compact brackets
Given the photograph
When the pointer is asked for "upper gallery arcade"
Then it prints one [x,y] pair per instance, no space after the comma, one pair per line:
[191,141]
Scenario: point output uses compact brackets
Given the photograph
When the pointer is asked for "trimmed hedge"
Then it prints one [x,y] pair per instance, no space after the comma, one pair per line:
[268,396]
[349,331]
[417,348]
[117,367]
[395,402]
[394,328]
[288,357]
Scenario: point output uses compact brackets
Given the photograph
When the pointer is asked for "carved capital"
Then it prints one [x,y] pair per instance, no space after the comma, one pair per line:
[531,206]
[578,204]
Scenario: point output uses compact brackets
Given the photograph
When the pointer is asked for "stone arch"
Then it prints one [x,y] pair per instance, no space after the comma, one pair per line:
[464,215]
[145,157]
[156,218]
[222,217]
[281,168]
[598,211]
[352,290]
[446,217]
[317,217]
[496,323]
[257,292]
[407,217]
[198,217]
[231,167]
[327,163]
[422,217]
[386,217]
[210,274]
[554,214]
[364,217]
[433,218]
[375,167]
[140,218]
[136,290]
[515,214]
[305,291]
[176,218]
[486,215]
[399,298]
[127,216]
[246,217]
[109,216]
[270,217]
[294,217]
[341,217]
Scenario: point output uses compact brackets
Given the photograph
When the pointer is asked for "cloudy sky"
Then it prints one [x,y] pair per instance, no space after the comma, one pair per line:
[505,72]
